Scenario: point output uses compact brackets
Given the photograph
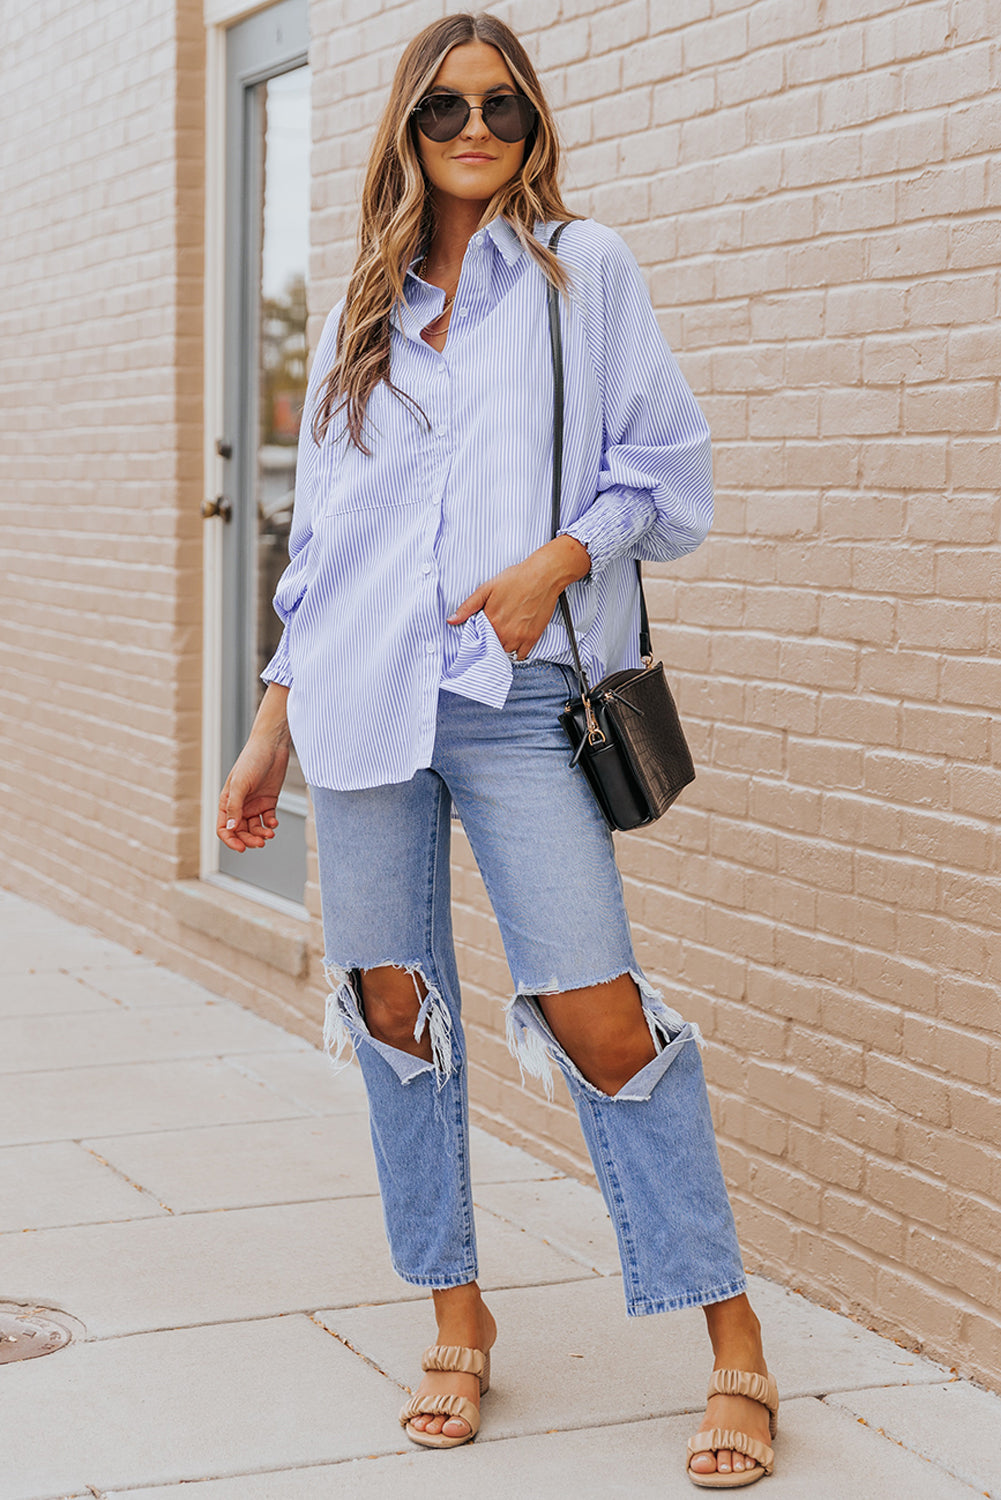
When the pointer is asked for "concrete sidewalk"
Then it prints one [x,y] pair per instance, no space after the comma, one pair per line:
[197,1189]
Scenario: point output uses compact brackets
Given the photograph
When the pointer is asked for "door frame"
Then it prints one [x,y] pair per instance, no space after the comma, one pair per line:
[219,16]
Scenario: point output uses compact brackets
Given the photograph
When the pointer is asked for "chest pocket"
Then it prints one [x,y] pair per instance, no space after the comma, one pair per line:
[395,473]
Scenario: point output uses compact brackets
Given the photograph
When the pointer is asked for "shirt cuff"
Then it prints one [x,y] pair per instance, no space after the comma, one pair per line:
[612,526]
[279,668]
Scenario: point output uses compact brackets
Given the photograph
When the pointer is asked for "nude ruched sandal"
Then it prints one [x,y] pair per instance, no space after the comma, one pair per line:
[449,1358]
[736,1383]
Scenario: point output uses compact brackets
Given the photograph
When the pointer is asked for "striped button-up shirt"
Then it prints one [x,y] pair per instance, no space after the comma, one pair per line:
[384,548]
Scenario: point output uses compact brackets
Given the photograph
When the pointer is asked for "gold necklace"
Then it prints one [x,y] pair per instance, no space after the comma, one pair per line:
[449,297]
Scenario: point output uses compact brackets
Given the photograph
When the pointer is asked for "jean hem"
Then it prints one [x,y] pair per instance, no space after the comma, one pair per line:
[638,1307]
[439,1283]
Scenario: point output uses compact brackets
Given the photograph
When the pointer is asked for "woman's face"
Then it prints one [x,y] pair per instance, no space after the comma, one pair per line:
[474,165]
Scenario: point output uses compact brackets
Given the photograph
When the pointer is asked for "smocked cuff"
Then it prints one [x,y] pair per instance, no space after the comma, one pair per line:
[613,525]
[279,668]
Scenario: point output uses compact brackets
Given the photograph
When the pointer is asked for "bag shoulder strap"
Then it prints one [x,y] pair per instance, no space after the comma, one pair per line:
[556,346]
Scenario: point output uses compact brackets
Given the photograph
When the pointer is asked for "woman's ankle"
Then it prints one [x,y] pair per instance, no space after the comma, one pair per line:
[457,1300]
[463,1311]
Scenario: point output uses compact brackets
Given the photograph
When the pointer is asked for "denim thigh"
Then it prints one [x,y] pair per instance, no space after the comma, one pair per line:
[541,843]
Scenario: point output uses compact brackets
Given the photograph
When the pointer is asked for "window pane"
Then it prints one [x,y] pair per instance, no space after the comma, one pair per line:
[281,384]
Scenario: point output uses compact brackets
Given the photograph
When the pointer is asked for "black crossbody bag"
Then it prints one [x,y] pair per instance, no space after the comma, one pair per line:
[625,731]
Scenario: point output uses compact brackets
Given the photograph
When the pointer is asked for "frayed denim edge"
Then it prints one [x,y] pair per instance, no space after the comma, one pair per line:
[344,1025]
[534,1048]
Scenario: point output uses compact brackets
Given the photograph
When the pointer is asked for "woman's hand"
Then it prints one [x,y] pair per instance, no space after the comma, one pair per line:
[248,801]
[519,602]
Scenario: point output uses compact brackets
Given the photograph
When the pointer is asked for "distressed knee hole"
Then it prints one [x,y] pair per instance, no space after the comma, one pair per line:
[534,1047]
[389,999]
[345,1027]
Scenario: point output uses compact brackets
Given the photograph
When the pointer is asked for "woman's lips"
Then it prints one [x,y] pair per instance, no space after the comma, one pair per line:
[472,156]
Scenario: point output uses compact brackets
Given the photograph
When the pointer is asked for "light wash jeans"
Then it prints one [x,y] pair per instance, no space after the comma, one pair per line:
[548,863]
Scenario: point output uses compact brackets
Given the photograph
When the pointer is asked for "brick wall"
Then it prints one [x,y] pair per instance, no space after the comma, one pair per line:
[811,191]
[102,144]
[94,318]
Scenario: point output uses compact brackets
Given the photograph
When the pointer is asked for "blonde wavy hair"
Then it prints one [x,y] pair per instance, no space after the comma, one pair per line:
[397,216]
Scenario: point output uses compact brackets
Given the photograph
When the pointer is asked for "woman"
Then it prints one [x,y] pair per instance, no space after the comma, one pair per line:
[421,665]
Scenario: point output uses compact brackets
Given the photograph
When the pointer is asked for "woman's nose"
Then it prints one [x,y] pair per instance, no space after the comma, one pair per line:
[475,127]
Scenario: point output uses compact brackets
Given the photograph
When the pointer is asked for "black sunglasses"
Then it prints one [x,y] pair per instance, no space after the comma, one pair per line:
[441,117]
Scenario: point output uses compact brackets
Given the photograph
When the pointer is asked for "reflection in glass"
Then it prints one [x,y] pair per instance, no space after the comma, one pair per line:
[283,112]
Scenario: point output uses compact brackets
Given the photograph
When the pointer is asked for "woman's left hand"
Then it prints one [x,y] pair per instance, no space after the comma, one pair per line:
[519,602]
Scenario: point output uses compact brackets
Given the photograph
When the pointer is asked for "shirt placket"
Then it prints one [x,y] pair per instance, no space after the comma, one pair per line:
[440,415]
[442,440]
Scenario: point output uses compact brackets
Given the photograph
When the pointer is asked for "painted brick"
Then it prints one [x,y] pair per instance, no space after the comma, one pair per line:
[914,358]
[903,142]
[834,160]
[861,1120]
[973,128]
[856,1219]
[968,573]
[859,310]
[792,1192]
[958,300]
[907,1089]
[950,1264]
[946,77]
[948,1049]
[963,736]
[777,21]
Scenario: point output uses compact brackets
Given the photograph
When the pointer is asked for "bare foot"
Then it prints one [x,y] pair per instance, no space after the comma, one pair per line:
[736,1337]
[464,1320]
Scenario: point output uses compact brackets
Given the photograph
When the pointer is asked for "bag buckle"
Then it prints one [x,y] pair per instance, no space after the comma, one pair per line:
[595,734]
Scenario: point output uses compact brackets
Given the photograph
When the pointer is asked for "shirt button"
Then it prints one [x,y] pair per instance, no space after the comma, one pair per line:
[430,648]
[462,312]
[426,569]
[441,431]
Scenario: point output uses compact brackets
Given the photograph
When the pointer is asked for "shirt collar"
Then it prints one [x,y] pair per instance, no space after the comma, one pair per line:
[421,299]
[504,238]
[507,241]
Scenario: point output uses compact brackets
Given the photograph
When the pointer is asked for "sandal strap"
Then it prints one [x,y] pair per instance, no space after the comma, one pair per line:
[746,1383]
[452,1359]
[442,1406]
[730,1437]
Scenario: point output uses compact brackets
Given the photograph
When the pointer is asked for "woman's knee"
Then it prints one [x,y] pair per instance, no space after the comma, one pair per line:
[390,1001]
[603,1030]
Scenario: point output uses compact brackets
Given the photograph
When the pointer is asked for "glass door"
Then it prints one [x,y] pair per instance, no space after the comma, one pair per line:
[267,251]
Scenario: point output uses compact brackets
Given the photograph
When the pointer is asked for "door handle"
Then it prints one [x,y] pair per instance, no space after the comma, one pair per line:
[220,506]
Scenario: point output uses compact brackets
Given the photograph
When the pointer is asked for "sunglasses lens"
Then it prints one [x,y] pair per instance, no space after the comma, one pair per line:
[509,117]
[441,116]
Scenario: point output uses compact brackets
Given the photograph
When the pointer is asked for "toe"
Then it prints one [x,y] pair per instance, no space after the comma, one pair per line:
[703,1463]
[456,1427]
[724,1460]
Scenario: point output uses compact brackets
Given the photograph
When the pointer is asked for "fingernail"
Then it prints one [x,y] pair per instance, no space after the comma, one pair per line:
[231,823]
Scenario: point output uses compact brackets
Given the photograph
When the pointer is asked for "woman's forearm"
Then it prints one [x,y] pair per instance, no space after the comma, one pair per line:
[271,722]
[569,559]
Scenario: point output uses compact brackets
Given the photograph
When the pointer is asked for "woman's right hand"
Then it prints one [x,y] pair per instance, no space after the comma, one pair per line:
[248,802]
